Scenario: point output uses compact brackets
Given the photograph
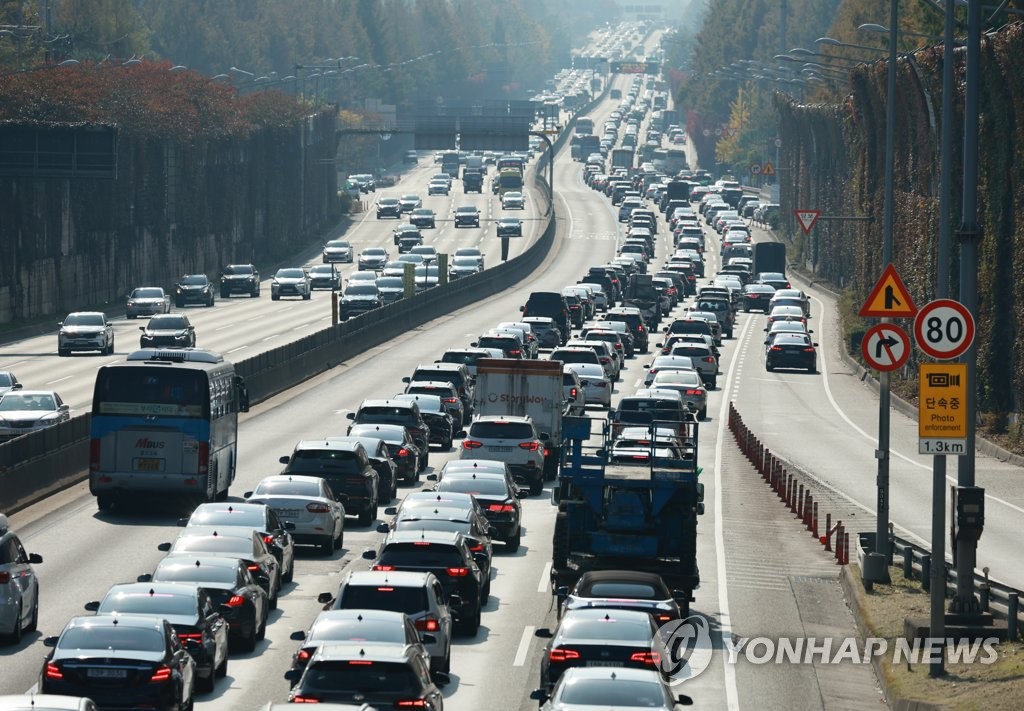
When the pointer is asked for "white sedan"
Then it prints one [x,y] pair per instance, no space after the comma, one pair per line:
[307,503]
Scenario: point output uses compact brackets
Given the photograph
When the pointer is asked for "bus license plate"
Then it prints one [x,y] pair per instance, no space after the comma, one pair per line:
[149,464]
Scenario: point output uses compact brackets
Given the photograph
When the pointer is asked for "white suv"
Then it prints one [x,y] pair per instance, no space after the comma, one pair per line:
[510,439]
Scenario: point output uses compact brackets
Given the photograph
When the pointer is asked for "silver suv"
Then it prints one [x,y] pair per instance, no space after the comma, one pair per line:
[418,595]
[19,586]
[510,439]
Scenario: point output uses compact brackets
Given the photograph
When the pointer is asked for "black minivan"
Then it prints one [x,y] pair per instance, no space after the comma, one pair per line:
[551,304]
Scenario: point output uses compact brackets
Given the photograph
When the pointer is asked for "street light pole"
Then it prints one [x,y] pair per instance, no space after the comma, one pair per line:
[884,399]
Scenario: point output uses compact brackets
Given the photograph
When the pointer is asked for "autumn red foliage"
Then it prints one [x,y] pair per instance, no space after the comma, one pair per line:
[144,100]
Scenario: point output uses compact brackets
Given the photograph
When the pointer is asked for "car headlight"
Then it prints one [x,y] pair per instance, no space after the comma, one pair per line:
[131,303]
[49,417]
[180,336]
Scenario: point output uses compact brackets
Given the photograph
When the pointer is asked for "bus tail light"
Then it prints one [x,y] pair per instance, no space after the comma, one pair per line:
[204,458]
[94,454]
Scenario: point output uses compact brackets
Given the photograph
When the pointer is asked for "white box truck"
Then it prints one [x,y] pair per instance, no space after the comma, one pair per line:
[525,388]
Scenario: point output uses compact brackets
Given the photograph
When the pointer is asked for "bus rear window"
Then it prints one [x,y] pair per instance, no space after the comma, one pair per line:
[151,390]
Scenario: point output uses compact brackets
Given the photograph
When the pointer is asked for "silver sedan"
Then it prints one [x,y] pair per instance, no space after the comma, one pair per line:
[687,383]
[597,388]
[308,503]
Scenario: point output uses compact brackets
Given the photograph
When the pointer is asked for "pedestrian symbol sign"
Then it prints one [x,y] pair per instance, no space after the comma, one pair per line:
[889,298]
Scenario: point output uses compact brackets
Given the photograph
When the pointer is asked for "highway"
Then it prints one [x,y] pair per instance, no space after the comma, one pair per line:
[240,327]
[761,573]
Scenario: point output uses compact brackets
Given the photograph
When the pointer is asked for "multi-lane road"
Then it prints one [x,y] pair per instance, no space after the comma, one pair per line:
[761,573]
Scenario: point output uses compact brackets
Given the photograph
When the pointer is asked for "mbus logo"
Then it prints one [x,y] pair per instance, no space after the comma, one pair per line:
[147,443]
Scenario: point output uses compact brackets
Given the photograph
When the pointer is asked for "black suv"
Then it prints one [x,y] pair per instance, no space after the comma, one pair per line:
[455,373]
[346,468]
[358,298]
[239,279]
[550,304]
[635,321]
[445,554]
[193,289]
[396,412]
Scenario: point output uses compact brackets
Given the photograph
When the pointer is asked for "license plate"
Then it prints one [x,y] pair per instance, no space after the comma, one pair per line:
[499,449]
[149,464]
[287,513]
[106,673]
[604,664]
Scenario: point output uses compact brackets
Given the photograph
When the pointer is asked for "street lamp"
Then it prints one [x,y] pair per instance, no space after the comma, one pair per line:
[833,42]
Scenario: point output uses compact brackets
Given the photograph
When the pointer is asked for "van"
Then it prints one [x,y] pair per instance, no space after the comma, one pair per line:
[552,305]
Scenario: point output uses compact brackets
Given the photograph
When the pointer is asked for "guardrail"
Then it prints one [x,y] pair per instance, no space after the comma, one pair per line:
[799,494]
[40,463]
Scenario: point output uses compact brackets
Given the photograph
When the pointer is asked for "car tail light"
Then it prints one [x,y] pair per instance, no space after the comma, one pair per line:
[94,455]
[5,577]
[652,658]
[531,446]
[640,328]
[471,444]
[385,568]
[235,601]
[186,637]
[204,458]
[808,350]
[776,348]
[501,508]
[268,539]
[318,508]
[161,673]
[477,548]
[693,392]
[664,618]
[304,655]
[573,393]
[515,352]
[427,624]
[53,671]
[253,567]
[360,662]
[403,452]
[450,399]
[304,700]
[561,654]
[709,359]
[458,572]
[411,704]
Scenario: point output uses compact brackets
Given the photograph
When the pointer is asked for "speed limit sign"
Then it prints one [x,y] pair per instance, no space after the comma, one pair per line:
[944,329]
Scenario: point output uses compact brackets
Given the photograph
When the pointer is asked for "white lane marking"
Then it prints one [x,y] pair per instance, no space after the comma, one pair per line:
[545,578]
[224,328]
[59,380]
[524,646]
[235,350]
[17,362]
[270,338]
[874,440]
[725,622]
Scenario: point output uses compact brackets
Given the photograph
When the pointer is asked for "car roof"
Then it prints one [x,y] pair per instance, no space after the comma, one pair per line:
[362,651]
[326,443]
[204,531]
[141,621]
[151,588]
[452,538]
[43,702]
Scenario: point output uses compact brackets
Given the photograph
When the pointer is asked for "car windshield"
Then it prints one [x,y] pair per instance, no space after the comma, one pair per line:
[468,252]
[483,486]
[688,378]
[13,401]
[366,678]
[6,380]
[284,487]
[326,269]
[618,588]
[149,603]
[606,627]
[466,262]
[424,270]
[151,293]
[166,323]
[175,571]
[361,290]
[374,252]
[121,638]
[389,201]
[409,600]
[466,209]
[410,197]
[84,320]
[194,280]
[239,269]
[338,244]
[501,430]
[325,460]
[290,274]
[391,282]
[423,212]
[421,554]
[614,693]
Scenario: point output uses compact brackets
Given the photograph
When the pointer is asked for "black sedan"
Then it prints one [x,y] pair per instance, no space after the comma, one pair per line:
[499,499]
[791,350]
[443,427]
[256,517]
[624,590]
[423,217]
[373,626]
[168,331]
[401,447]
[120,662]
[231,542]
[757,296]
[192,614]
[510,227]
[610,638]
[228,583]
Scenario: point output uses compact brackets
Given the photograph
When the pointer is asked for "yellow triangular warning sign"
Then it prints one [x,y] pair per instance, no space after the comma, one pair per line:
[889,298]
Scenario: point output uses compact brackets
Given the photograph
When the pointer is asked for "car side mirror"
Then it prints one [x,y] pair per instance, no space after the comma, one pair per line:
[50,641]
[247,495]
[325,598]
[684,700]
[543,633]
[144,578]
[522,493]
[35,558]
[142,328]
[285,459]
[182,522]
[17,386]
[350,415]
[407,379]
[460,434]
[440,678]
[391,511]
[165,547]
[562,591]
[522,309]
[293,674]
[431,477]
[92,606]
[369,554]
[814,344]
[700,509]
[539,695]
[297,636]
[382,528]
[475,344]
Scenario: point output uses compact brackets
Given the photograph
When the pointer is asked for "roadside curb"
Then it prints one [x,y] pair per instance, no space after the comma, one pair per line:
[981,444]
[855,601]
